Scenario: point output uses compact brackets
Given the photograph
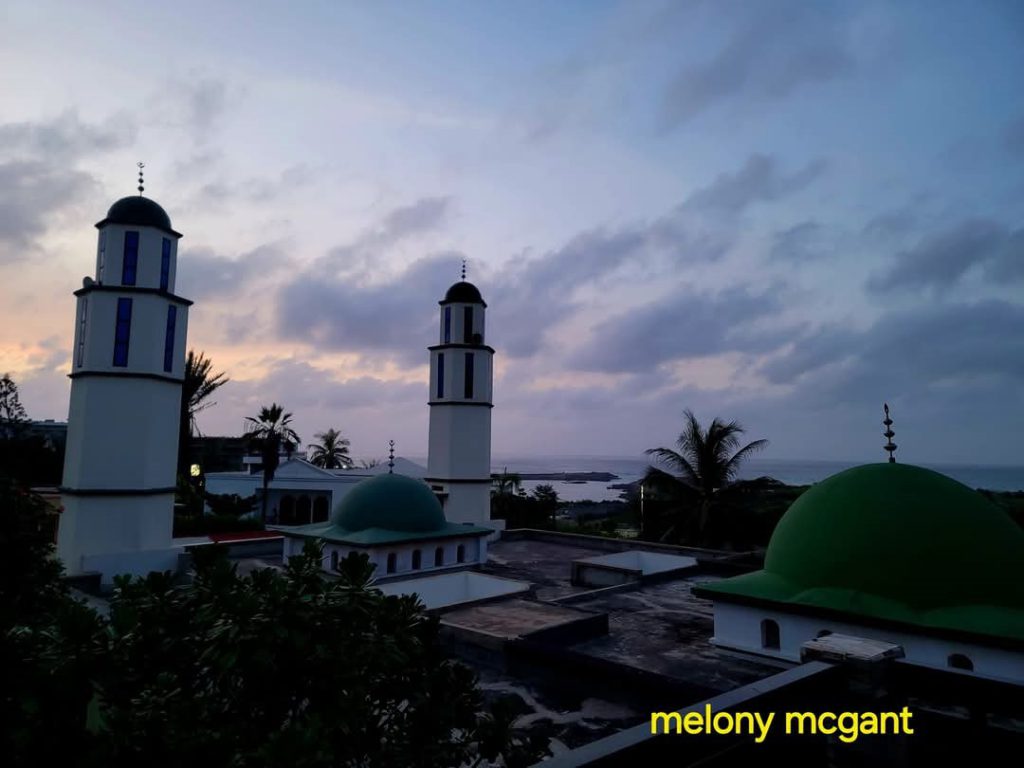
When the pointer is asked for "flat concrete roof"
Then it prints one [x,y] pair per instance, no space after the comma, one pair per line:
[511,619]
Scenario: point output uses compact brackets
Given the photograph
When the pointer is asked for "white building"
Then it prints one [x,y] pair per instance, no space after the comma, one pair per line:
[888,552]
[127,367]
[398,522]
[461,378]
[300,492]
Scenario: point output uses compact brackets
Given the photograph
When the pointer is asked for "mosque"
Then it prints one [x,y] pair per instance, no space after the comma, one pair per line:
[883,581]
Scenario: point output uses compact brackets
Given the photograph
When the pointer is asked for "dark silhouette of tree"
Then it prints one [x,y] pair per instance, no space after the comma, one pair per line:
[13,418]
[331,452]
[270,430]
[704,463]
[547,500]
[199,383]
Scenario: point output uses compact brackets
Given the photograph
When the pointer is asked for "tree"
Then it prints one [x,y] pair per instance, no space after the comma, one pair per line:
[332,450]
[13,418]
[271,668]
[705,463]
[547,500]
[269,430]
[199,383]
[506,483]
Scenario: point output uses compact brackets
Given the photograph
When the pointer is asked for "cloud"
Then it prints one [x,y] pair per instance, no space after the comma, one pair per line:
[31,192]
[392,318]
[677,327]
[65,137]
[799,243]
[759,180]
[772,53]
[939,261]
[204,274]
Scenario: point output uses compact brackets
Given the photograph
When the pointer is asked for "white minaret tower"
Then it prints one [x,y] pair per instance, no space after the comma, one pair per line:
[127,367]
[461,373]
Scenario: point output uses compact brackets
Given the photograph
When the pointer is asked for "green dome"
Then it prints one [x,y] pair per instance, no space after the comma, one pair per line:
[898,542]
[393,502]
[903,533]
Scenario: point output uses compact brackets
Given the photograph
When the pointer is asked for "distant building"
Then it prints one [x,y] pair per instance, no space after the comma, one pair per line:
[128,363]
[53,433]
[219,454]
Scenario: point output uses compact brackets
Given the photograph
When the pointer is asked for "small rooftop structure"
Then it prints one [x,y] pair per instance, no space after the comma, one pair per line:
[623,567]
[457,588]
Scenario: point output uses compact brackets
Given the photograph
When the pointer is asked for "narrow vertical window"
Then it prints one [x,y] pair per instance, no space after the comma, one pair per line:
[130,264]
[122,332]
[439,557]
[460,554]
[467,325]
[417,559]
[440,375]
[447,325]
[172,318]
[165,264]
[81,331]
[103,256]
[469,375]
[392,562]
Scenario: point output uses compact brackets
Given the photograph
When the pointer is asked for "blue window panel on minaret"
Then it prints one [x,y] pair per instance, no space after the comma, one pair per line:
[122,332]
[172,317]
[165,264]
[447,325]
[440,375]
[467,325]
[469,375]
[131,258]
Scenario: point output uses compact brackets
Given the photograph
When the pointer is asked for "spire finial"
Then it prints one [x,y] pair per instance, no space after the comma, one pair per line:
[890,446]
[391,456]
[141,166]
[463,270]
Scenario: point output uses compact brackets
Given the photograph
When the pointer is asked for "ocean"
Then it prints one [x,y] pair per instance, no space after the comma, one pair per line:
[993,478]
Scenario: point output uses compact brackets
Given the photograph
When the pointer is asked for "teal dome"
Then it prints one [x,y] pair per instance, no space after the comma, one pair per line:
[393,502]
[899,542]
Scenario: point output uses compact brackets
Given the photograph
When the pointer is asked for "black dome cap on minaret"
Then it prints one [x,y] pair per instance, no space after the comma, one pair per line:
[463,293]
[139,211]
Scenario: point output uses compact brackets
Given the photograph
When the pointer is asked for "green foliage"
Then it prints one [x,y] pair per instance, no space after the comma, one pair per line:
[331,452]
[269,430]
[268,669]
[198,385]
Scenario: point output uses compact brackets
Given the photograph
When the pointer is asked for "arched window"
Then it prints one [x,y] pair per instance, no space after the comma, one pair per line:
[334,559]
[392,562]
[304,510]
[320,509]
[770,634]
[288,510]
[460,554]
[824,633]
[416,559]
[959,661]
[439,557]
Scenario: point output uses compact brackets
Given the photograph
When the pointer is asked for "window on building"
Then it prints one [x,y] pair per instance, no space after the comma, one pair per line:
[172,318]
[122,332]
[334,559]
[392,562]
[304,510]
[447,325]
[320,509]
[959,661]
[440,376]
[770,634]
[165,264]
[80,356]
[417,559]
[103,256]
[130,265]
[460,554]
[467,325]
[439,557]
[469,375]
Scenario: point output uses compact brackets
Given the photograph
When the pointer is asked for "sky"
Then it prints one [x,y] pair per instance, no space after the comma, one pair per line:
[781,213]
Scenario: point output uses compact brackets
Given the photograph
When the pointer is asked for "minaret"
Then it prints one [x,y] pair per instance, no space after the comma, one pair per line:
[127,368]
[461,372]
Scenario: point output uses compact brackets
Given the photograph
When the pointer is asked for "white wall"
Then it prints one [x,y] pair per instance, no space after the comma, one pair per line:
[739,627]
[475,552]
[150,255]
[459,442]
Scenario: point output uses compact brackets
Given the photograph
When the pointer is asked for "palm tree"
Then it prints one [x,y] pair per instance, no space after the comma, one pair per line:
[332,450]
[199,383]
[705,463]
[268,430]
